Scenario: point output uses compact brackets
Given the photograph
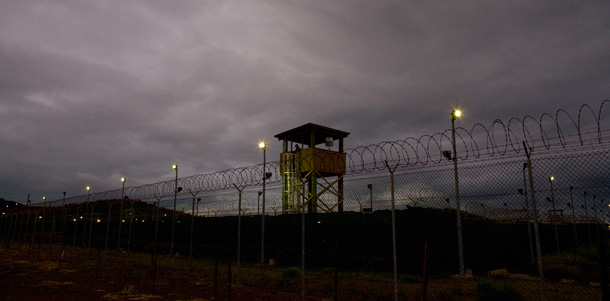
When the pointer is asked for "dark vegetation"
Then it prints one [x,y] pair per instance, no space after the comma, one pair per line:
[359,242]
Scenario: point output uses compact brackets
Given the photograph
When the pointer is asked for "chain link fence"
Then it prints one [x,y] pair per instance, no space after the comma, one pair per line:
[499,241]
[348,254]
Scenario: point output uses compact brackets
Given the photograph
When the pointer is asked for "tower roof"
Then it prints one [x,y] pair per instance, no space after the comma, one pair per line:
[302,134]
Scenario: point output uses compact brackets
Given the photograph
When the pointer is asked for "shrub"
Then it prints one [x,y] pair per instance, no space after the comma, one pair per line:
[410,278]
[490,291]
[560,271]
[291,272]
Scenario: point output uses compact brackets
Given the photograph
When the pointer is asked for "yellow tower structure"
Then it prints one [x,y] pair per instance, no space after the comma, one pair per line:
[309,171]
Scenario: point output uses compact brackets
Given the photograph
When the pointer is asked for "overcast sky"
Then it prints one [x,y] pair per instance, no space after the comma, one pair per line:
[92,91]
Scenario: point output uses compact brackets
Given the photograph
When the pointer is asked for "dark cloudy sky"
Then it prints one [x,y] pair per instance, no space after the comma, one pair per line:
[92,91]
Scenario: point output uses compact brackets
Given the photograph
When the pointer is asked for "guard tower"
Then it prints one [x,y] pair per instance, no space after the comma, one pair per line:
[302,164]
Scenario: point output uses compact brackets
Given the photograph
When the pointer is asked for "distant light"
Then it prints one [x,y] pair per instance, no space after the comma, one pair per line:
[123,180]
[142,220]
[88,188]
[319,222]
[456,113]
[262,145]
[73,219]
[174,166]
[99,220]
[552,178]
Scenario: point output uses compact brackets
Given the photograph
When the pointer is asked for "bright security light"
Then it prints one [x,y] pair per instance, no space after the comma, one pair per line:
[262,145]
[88,188]
[175,166]
[123,180]
[456,113]
[552,178]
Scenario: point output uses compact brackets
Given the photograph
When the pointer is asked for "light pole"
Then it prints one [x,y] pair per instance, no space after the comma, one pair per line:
[171,249]
[198,200]
[370,187]
[258,204]
[551,179]
[263,146]
[121,213]
[454,115]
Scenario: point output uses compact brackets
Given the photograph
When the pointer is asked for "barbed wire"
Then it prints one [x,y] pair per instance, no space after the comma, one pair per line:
[500,138]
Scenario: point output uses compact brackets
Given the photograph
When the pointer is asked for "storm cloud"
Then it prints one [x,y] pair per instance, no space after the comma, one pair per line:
[92,91]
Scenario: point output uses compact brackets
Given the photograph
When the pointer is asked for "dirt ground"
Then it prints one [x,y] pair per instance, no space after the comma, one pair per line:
[92,275]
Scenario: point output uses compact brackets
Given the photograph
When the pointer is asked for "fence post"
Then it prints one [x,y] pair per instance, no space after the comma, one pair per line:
[337,253]
[194,194]
[603,264]
[238,230]
[108,224]
[425,273]
[535,218]
[392,170]
[229,280]
[154,256]
[8,236]
[303,244]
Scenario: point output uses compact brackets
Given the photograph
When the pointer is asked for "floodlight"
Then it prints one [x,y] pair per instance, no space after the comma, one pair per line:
[447,155]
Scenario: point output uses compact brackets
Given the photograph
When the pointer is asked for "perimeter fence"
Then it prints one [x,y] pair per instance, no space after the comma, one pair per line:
[496,244]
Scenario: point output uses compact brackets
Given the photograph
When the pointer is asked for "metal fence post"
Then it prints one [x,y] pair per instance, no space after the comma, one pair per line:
[535,219]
